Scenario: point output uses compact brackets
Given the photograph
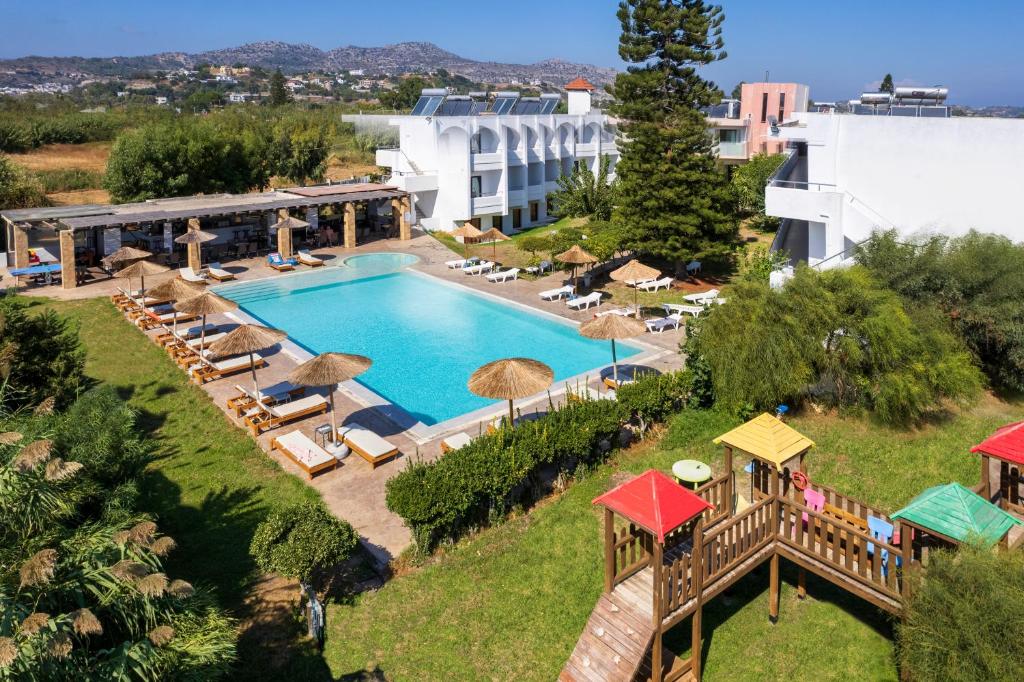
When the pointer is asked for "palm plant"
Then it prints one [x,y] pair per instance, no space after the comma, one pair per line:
[585,193]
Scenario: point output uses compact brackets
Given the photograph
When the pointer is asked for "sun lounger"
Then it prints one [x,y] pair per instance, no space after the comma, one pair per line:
[275,393]
[581,393]
[636,282]
[628,311]
[704,297]
[309,456]
[367,444]
[271,416]
[479,268]
[275,261]
[153,320]
[584,302]
[655,284]
[555,294]
[454,442]
[504,275]
[659,325]
[209,370]
[190,275]
[495,424]
[218,273]
[671,308]
[306,258]
[186,334]
[460,263]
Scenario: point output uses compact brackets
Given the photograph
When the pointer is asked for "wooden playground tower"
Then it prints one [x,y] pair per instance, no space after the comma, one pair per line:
[669,551]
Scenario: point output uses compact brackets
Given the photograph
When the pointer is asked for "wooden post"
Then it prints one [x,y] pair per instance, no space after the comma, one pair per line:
[730,484]
[697,570]
[609,549]
[773,589]
[20,246]
[194,259]
[1004,484]
[656,672]
[986,490]
[68,271]
[405,225]
[350,225]
[284,236]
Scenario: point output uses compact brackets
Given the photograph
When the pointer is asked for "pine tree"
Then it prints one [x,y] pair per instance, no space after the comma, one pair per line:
[278,94]
[674,201]
[887,85]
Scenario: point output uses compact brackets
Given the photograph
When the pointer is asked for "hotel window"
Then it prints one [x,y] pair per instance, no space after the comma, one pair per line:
[534,211]
[517,218]
[474,143]
[764,107]
[474,186]
[782,106]
[475,222]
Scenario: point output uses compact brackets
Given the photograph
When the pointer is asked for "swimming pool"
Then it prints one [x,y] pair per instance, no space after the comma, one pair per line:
[425,336]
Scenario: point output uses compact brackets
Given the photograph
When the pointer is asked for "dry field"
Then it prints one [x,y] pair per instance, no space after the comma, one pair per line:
[90,156]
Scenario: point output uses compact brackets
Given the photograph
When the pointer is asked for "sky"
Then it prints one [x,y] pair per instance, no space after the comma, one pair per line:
[837,48]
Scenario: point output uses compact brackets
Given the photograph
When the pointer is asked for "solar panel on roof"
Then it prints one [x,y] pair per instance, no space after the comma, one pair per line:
[456,107]
[503,105]
[548,106]
[526,107]
[427,105]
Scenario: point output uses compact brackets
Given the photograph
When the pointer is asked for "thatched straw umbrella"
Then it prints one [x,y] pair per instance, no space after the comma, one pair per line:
[176,289]
[192,238]
[203,304]
[140,269]
[511,378]
[247,338]
[290,224]
[634,271]
[611,327]
[494,235]
[125,254]
[575,256]
[467,231]
[330,369]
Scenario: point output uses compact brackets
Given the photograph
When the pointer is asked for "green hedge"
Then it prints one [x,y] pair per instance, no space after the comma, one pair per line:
[468,487]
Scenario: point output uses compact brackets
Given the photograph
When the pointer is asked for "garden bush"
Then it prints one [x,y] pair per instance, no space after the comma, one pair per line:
[978,282]
[40,356]
[296,541]
[656,397]
[963,618]
[18,188]
[839,338]
[479,482]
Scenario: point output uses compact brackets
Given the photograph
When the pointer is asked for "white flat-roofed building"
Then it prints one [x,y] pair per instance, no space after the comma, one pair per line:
[851,174]
[491,162]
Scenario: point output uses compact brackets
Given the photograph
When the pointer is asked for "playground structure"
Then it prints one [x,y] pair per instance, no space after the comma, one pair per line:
[668,550]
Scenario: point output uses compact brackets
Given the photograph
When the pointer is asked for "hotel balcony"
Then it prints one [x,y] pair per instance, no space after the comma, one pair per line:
[488,204]
[735,151]
[517,197]
[485,161]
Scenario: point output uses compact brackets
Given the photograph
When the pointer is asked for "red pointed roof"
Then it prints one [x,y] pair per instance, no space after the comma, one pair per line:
[655,502]
[580,83]
[1007,443]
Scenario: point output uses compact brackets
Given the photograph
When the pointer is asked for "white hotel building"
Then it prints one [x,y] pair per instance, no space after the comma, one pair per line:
[893,167]
[492,163]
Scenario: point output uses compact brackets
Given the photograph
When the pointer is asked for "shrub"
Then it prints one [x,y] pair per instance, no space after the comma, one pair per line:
[296,541]
[749,181]
[977,280]
[839,337]
[656,397]
[483,480]
[15,136]
[18,189]
[585,193]
[963,618]
[40,356]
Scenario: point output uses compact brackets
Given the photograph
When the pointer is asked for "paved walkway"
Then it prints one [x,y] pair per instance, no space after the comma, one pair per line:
[355,491]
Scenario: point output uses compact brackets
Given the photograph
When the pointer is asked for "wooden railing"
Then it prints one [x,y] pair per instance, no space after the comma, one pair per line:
[631,551]
[841,546]
[837,500]
[735,540]
[679,584]
[716,492]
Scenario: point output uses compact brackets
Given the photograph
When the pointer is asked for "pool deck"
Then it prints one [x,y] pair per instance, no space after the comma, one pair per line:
[354,490]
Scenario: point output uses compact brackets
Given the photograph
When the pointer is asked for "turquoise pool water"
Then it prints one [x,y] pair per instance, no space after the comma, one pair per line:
[425,337]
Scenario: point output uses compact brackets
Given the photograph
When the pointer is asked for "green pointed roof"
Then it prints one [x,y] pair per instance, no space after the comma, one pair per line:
[957,513]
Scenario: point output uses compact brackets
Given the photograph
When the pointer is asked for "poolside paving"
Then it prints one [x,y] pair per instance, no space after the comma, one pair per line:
[355,491]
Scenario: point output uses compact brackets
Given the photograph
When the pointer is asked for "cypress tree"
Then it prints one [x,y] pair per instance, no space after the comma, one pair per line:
[674,201]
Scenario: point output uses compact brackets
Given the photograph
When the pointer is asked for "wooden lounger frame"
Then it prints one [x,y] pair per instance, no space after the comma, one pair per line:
[310,471]
[374,461]
[243,401]
[264,421]
[208,373]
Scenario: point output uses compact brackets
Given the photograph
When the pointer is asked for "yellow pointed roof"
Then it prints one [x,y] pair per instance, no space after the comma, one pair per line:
[768,439]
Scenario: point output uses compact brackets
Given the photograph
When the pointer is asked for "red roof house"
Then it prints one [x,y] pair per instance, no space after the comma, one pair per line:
[580,83]
[654,502]
[1007,443]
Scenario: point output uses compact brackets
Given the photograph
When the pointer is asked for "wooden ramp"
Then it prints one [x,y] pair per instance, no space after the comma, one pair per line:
[614,642]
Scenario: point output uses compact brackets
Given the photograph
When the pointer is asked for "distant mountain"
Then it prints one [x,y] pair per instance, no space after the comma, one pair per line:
[297,58]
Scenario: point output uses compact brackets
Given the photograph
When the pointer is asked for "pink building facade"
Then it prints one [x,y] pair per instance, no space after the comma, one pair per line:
[760,103]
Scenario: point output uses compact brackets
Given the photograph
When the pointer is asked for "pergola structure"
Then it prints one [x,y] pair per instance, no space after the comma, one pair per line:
[99,229]
[1007,446]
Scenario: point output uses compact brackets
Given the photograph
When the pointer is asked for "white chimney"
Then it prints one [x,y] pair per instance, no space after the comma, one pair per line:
[578,92]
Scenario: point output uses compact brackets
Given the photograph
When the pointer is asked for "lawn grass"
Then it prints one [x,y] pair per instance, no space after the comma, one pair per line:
[209,484]
[510,602]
